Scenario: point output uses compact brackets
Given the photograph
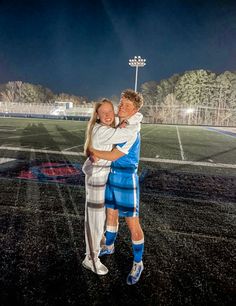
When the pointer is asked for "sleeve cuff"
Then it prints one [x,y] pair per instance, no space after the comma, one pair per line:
[125,151]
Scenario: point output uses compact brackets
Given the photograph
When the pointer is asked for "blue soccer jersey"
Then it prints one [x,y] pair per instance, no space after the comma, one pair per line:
[130,160]
[122,189]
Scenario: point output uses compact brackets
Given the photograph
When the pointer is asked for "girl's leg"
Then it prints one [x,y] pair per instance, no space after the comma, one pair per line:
[94,224]
[94,214]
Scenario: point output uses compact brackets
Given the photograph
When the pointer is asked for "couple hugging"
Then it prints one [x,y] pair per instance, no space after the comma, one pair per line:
[111,181]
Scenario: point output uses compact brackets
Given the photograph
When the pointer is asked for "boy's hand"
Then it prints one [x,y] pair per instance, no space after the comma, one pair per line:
[123,124]
[93,158]
[87,152]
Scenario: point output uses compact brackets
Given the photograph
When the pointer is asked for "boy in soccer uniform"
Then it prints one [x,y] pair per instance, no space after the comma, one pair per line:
[122,189]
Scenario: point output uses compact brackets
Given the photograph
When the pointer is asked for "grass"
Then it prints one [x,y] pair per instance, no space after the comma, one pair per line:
[158,141]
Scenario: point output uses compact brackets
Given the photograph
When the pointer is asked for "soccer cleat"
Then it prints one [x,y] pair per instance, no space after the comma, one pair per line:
[96,266]
[105,250]
[135,273]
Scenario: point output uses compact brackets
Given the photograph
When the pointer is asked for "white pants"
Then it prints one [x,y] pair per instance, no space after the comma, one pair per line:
[95,214]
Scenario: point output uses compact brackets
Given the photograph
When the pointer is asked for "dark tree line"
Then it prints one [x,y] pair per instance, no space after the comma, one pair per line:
[19,92]
[212,95]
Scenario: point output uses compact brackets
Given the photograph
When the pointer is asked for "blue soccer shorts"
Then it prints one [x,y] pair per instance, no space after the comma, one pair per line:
[122,193]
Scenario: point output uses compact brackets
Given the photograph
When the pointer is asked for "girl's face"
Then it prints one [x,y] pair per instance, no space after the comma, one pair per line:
[106,114]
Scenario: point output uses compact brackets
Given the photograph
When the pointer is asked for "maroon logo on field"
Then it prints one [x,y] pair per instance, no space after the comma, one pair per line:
[57,172]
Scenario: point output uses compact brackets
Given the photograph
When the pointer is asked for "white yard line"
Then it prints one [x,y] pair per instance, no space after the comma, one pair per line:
[15,137]
[154,160]
[8,130]
[42,134]
[219,238]
[73,147]
[4,160]
[180,144]
[41,151]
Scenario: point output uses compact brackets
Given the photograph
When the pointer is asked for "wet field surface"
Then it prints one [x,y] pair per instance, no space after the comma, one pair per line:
[190,244]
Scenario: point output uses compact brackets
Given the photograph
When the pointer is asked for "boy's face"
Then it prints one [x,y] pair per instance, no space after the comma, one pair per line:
[126,108]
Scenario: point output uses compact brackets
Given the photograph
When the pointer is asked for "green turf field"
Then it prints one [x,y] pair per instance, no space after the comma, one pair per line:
[161,144]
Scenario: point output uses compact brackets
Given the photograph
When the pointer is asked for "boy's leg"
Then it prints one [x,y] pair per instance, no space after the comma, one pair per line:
[111,226]
[111,220]
[111,232]
[137,237]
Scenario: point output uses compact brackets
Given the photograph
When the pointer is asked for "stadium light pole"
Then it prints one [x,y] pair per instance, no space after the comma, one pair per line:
[137,62]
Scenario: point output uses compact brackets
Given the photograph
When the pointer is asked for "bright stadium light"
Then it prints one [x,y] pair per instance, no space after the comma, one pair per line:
[137,62]
[189,110]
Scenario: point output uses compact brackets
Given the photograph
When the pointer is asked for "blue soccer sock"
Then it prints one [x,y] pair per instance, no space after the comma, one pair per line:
[138,248]
[111,233]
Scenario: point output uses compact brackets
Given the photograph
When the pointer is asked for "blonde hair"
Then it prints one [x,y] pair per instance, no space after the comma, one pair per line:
[134,97]
[94,119]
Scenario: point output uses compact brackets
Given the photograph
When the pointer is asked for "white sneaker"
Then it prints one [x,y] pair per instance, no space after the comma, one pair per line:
[95,265]
[135,273]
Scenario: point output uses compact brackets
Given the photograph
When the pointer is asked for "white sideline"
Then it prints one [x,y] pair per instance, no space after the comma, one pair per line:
[154,160]
[41,151]
[67,149]
[186,162]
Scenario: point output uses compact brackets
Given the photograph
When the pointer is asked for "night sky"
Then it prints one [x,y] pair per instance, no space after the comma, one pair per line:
[83,47]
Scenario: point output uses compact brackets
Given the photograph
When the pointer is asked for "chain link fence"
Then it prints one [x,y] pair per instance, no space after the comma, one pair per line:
[173,114]
[45,110]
